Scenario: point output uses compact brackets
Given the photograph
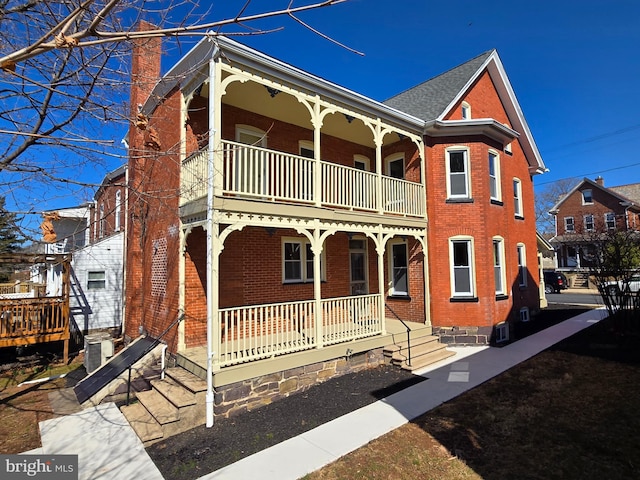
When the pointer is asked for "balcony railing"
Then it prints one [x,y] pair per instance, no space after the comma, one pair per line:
[255,172]
[263,331]
[21,319]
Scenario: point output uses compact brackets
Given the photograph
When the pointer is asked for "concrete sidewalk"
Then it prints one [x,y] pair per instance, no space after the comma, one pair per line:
[470,367]
[108,448]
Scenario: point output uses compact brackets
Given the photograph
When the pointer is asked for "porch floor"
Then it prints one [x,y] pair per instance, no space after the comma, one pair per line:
[195,359]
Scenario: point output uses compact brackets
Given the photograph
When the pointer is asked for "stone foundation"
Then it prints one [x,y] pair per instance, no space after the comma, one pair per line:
[253,393]
[463,336]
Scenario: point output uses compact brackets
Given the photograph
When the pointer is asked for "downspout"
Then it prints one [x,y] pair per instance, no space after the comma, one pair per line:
[209,399]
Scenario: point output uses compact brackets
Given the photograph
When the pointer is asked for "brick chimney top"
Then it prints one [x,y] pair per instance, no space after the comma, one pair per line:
[600,181]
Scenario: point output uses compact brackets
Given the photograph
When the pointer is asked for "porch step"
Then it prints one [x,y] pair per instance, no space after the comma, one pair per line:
[425,350]
[174,405]
[581,280]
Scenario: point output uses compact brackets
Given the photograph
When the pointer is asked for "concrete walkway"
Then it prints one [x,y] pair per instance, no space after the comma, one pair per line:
[109,449]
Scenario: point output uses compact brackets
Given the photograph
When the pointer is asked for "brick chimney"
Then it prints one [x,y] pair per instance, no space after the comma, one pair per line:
[600,181]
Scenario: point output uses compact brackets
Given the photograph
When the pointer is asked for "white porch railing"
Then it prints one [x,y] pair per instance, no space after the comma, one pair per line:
[257,172]
[263,331]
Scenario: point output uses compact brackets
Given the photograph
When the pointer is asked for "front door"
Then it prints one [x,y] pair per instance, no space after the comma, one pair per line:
[358,266]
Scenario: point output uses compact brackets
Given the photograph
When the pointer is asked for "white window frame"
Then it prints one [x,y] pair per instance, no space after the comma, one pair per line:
[466,173]
[521,260]
[502,332]
[304,245]
[361,159]
[470,268]
[584,196]
[392,159]
[517,198]
[99,282]
[101,221]
[259,134]
[569,222]
[589,224]
[393,290]
[499,271]
[116,222]
[465,111]
[494,180]
[610,224]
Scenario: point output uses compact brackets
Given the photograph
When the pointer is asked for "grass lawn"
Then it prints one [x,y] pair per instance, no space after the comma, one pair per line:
[570,412]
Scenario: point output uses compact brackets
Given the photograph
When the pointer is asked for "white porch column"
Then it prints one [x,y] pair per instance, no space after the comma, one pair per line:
[316,121]
[377,138]
[380,247]
[316,248]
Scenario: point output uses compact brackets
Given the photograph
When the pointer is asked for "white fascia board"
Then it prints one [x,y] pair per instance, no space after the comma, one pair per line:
[236,53]
[476,126]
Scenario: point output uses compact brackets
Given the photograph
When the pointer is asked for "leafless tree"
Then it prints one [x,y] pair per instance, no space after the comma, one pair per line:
[64,79]
[546,198]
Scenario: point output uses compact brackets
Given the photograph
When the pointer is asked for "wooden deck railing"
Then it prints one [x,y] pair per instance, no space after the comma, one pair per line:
[255,172]
[33,320]
[262,331]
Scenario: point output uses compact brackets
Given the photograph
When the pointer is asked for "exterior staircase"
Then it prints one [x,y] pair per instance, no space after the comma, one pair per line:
[426,349]
[174,405]
[581,280]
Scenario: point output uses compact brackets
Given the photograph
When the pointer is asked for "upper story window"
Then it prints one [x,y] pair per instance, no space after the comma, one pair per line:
[251,136]
[494,177]
[462,267]
[569,226]
[610,220]
[116,223]
[96,280]
[465,110]
[362,163]
[517,198]
[458,175]
[394,166]
[101,222]
[305,148]
[250,175]
[587,197]
[588,223]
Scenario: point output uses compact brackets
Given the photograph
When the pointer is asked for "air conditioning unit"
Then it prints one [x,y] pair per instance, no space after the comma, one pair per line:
[98,348]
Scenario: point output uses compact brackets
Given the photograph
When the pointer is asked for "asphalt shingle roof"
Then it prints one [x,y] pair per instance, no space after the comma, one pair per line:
[632,191]
[428,100]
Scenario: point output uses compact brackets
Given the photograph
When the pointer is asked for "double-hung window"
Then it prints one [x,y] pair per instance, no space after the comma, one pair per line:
[517,197]
[610,220]
[498,266]
[588,223]
[522,265]
[569,226]
[461,258]
[494,177]
[96,280]
[297,261]
[458,177]
[399,269]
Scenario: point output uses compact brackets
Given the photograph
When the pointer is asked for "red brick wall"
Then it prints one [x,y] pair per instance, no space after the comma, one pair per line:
[107,199]
[603,202]
[481,220]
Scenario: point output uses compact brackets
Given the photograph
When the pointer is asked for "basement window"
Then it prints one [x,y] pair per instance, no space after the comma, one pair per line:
[502,332]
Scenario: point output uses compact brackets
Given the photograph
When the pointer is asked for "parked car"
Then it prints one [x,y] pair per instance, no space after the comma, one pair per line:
[554,282]
[632,284]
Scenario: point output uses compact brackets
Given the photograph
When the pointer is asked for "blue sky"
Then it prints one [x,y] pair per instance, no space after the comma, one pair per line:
[575,67]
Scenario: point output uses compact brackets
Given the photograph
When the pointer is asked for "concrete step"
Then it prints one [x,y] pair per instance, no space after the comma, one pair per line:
[401,347]
[143,423]
[162,409]
[425,360]
[179,396]
[417,351]
[188,380]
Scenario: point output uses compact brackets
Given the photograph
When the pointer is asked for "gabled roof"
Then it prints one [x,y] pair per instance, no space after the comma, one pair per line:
[433,100]
[631,191]
[590,183]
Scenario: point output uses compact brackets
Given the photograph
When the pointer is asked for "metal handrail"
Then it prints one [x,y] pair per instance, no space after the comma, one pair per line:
[408,334]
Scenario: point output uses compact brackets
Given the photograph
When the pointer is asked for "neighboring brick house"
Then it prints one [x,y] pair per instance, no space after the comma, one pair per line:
[588,210]
[95,234]
[292,221]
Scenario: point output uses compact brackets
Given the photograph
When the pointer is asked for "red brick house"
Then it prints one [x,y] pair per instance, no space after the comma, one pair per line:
[588,210]
[293,222]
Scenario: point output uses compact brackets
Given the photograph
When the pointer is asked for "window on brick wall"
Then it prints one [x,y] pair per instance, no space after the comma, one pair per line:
[498,266]
[588,223]
[101,222]
[522,265]
[465,110]
[458,176]
[517,198]
[610,220]
[249,163]
[462,264]
[494,177]
[297,261]
[587,197]
[569,226]
[118,211]
[399,268]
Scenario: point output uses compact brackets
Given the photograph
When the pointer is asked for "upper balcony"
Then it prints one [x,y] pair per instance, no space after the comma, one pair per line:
[267,175]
